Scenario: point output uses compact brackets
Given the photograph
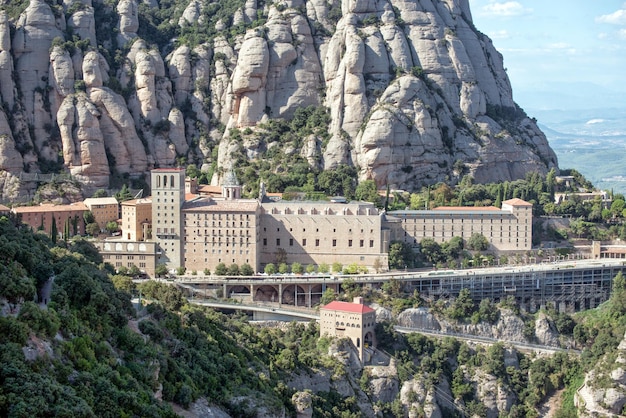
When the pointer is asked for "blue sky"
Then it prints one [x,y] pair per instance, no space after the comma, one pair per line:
[559,53]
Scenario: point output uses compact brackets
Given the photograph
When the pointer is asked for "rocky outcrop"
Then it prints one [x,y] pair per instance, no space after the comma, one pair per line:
[604,390]
[509,327]
[415,94]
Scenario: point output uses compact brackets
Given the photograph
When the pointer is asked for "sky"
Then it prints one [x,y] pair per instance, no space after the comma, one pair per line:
[559,54]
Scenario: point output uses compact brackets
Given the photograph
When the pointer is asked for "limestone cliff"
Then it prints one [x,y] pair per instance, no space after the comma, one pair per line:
[415,93]
[604,390]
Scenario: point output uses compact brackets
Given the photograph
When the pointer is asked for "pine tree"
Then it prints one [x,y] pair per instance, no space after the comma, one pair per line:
[53,230]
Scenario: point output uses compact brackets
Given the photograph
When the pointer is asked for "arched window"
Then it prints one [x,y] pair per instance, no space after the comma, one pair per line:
[171,181]
[158,179]
[164,181]
[358,342]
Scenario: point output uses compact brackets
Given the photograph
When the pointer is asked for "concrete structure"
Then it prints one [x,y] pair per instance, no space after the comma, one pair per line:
[104,209]
[351,320]
[126,254]
[168,196]
[506,229]
[137,220]
[323,232]
[40,217]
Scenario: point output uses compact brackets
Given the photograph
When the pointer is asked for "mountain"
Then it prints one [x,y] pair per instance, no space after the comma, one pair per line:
[591,140]
[410,92]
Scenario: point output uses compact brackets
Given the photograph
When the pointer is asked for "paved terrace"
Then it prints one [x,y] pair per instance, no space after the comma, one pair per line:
[569,284]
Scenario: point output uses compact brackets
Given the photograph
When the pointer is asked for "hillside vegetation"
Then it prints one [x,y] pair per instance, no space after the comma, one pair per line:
[87,352]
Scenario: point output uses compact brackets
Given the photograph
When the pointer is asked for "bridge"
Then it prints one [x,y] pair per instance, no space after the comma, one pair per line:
[571,285]
[274,312]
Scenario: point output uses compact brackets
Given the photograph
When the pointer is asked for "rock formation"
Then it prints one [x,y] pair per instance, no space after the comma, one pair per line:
[415,93]
[604,390]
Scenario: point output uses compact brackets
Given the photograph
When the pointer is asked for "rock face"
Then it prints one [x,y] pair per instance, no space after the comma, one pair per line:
[415,93]
[509,326]
[604,390]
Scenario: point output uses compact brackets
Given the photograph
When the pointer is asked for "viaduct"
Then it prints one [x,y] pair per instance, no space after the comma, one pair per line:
[570,285]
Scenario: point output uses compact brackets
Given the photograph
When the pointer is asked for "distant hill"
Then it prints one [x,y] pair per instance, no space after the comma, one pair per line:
[592,141]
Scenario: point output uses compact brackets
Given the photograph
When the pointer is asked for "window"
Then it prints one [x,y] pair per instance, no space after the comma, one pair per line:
[334,243]
[291,242]
[371,243]
[304,242]
[277,242]
[317,242]
[349,243]
[361,243]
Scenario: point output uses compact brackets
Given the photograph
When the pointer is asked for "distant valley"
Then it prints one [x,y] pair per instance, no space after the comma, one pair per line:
[591,141]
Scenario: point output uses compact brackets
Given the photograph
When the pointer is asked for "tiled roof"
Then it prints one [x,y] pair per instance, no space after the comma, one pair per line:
[347,307]
[167,170]
[207,188]
[49,207]
[466,208]
[4,208]
[517,202]
[211,205]
[100,201]
[143,201]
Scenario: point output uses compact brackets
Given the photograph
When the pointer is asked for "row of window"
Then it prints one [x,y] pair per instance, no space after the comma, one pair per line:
[317,242]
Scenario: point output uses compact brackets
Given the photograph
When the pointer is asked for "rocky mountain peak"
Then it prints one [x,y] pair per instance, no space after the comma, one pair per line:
[414,92]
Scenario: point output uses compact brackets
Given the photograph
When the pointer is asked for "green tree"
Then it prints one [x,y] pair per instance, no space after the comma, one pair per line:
[89,217]
[207,271]
[463,305]
[233,270]
[92,229]
[323,268]
[221,269]
[328,296]
[246,270]
[431,250]
[310,268]
[366,191]
[283,268]
[124,194]
[296,268]
[124,283]
[477,242]
[337,267]
[112,227]
[270,268]
[160,270]
[54,233]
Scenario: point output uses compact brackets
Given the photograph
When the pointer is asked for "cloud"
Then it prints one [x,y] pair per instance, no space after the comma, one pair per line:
[616,18]
[506,9]
[622,34]
[499,34]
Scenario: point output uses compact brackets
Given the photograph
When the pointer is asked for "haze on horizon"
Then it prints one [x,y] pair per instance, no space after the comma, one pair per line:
[559,54]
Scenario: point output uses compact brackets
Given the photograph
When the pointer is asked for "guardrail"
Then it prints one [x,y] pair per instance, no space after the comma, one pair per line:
[488,340]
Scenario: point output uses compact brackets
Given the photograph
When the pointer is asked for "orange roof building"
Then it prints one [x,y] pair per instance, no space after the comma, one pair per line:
[41,217]
[355,321]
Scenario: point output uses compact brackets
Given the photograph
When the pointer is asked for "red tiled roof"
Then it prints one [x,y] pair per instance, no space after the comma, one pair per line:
[210,189]
[48,207]
[347,307]
[517,202]
[167,170]
[469,208]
